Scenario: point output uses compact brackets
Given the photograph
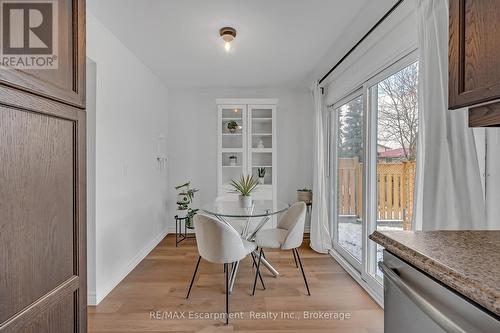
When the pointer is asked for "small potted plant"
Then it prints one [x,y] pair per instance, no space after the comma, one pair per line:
[184,198]
[190,215]
[244,187]
[232,126]
[261,172]
[305,195]
[233,160]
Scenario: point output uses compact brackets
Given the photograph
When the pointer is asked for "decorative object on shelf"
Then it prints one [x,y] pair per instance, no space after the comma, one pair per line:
[232,126]
[261,144]
[261,172]
[233,160]
[244,187]
[184,199]
[305,195]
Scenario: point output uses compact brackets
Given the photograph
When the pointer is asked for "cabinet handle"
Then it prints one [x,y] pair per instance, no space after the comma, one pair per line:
[430,310]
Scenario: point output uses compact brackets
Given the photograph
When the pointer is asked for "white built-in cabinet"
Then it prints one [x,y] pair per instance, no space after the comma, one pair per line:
[252,145]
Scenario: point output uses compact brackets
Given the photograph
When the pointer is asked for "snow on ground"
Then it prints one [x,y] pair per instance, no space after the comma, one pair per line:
[350,236]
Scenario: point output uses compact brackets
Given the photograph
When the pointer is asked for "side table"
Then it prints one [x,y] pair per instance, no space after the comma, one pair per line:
[179,235]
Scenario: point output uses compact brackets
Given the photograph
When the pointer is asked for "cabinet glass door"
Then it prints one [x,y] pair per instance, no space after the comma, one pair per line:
[261,130]
[232,129]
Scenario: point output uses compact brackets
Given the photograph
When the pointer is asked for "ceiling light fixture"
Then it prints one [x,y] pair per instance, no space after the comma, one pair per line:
[227,34]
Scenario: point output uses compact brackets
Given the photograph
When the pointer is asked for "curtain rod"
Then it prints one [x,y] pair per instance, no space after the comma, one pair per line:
[361,40]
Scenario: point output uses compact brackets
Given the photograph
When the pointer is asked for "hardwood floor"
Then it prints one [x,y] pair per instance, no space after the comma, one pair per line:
[160,282]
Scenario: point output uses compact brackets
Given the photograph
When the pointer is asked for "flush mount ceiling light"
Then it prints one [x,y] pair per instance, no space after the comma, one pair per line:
[227,34]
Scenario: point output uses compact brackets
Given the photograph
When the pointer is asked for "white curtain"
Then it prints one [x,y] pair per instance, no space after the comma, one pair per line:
[449,192]
[320,237]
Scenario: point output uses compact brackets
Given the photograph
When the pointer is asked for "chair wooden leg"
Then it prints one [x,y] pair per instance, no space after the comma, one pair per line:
[260,276]
[194,275]
[227,293]
[257,273]
[295,259]
[302,269]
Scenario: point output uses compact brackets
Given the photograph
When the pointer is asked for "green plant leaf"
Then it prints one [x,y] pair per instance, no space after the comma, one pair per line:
[245,185]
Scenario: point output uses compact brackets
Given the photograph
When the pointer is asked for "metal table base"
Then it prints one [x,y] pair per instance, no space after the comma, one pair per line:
[250,238]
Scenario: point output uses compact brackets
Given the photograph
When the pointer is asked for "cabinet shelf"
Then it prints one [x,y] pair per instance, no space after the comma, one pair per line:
[262,134]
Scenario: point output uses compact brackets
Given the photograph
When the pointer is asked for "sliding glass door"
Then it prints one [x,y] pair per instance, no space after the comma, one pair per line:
[373,154]
[395,100]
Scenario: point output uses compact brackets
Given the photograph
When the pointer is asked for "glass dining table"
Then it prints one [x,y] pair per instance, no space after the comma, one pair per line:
[246,221]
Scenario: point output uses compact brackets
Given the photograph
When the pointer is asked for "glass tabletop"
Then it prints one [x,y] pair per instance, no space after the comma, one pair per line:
[233,208]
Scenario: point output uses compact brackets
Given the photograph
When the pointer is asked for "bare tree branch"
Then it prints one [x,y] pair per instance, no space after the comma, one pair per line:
[398,110]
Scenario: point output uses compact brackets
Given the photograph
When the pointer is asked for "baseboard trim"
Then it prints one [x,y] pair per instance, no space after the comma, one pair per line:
[357,277]
[91,299]
[112,283]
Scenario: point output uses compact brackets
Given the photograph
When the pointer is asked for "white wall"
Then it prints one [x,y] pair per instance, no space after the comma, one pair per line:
[369,14]
[394,38]
[192,138]
[91,166]
[131,113]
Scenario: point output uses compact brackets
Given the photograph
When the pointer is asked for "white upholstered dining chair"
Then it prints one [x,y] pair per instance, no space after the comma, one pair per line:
[287,236]
[219,243]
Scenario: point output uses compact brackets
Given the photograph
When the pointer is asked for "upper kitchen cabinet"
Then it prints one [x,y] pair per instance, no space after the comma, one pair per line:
[48,57]
[474,59]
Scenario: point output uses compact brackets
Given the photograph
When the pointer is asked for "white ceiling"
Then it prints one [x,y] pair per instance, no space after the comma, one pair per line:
[279,42]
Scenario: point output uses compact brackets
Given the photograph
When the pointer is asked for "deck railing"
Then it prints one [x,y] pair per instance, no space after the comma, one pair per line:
[395,187]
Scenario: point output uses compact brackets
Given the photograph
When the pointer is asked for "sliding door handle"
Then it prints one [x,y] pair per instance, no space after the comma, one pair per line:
[428,308]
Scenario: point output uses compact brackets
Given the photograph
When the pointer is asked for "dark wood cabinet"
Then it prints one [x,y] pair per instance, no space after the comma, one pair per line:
[474,58]
[66,83]
[43,187]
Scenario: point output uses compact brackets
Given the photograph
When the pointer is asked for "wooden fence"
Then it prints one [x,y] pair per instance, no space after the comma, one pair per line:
[395,187]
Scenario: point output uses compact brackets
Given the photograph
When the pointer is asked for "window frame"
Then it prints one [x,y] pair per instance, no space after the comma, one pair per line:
[366,271]
[334,122]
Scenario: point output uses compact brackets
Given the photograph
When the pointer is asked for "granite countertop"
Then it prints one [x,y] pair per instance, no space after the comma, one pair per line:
[466,261]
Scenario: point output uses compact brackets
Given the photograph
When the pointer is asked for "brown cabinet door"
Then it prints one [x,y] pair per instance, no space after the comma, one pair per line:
[42,198]
[474,52]
[65,80]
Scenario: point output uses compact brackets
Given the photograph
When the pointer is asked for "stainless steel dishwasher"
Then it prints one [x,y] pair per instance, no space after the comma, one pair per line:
[416,303]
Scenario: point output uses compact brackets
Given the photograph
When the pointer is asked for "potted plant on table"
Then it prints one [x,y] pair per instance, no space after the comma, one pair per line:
[304,195]
[261,172]
[244,187]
